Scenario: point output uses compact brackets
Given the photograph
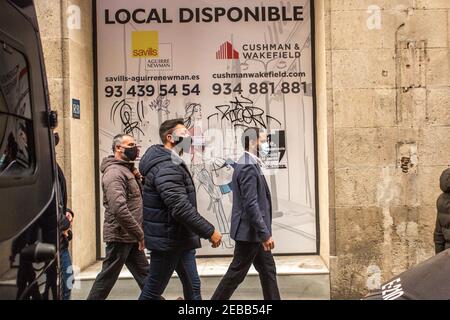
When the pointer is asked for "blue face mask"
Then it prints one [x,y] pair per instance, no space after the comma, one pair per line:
[264,149]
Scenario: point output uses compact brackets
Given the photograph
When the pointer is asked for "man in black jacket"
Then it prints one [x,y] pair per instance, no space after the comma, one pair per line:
[251,221]
[65,226]
[172,224]
[63,235]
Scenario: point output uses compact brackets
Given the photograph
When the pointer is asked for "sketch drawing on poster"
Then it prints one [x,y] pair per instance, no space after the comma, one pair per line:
[244,112]
[217,121]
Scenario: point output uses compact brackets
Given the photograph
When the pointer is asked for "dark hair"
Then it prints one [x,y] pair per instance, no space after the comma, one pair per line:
[249,134]
[168,125]
[118,140]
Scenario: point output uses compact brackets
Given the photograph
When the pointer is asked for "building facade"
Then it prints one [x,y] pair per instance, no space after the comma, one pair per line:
[382,80]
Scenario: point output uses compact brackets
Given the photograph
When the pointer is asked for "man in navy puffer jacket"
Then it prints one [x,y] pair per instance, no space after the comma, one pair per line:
[172,225]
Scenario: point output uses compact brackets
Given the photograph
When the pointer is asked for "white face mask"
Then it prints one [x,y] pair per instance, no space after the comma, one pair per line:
[264,149]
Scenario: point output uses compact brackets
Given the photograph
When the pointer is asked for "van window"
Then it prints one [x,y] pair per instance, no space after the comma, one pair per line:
[17,153]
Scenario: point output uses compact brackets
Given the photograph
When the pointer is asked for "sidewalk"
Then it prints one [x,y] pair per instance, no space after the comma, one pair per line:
[299,277]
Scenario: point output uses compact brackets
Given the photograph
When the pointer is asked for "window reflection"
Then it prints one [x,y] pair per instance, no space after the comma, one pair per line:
[16,126]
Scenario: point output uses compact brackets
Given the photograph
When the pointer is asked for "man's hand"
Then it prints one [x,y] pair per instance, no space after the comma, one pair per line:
[66,233]
[141,245]
[69,216]
[269,244]
[137,174]
[216,239]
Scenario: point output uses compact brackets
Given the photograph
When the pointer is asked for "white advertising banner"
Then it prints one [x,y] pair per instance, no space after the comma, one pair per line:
[222,66]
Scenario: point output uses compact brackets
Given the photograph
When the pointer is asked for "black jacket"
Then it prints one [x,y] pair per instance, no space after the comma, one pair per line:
[46,221]
[171,220]
[251,218]
[442,230]
[64,223]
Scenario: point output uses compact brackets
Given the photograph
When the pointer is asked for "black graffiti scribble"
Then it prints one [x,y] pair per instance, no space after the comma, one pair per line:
[140,110]
[242,118]
[242,112]
[270,118]
[124,111]
[160,104]
[189,115]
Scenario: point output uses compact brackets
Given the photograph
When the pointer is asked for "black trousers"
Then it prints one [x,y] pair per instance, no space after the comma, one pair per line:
[119,254]
[246,253]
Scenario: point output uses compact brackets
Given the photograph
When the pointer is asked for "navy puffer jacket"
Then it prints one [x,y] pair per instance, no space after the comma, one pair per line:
[171,219]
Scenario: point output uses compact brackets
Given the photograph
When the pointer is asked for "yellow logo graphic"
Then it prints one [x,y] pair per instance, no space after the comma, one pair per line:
[144,44]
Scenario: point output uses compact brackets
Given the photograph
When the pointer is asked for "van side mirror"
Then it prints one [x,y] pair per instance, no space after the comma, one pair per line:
[38,252]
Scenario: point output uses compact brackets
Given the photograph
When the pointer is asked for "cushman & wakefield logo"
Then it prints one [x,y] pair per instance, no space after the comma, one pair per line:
[144,44]
[227,52]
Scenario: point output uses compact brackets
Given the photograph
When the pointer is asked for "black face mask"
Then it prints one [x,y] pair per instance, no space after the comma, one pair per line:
[131,153]
[183,144]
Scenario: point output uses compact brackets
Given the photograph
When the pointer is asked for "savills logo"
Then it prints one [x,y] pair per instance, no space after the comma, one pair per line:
[226,51]
[144,44]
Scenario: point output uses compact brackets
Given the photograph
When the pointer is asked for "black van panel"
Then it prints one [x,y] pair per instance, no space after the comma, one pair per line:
[27,159]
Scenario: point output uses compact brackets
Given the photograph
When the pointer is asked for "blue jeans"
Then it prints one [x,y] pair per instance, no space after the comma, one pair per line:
[162,266]
[66,274]
[187,271]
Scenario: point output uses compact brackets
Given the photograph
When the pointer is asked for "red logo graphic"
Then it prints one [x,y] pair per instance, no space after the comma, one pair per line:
[226,51]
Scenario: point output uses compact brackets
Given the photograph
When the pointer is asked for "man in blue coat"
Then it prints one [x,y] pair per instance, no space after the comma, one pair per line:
[251,221]
[172,225]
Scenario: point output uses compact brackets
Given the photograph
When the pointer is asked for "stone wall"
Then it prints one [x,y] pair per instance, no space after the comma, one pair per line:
[388,95]
[66,32]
